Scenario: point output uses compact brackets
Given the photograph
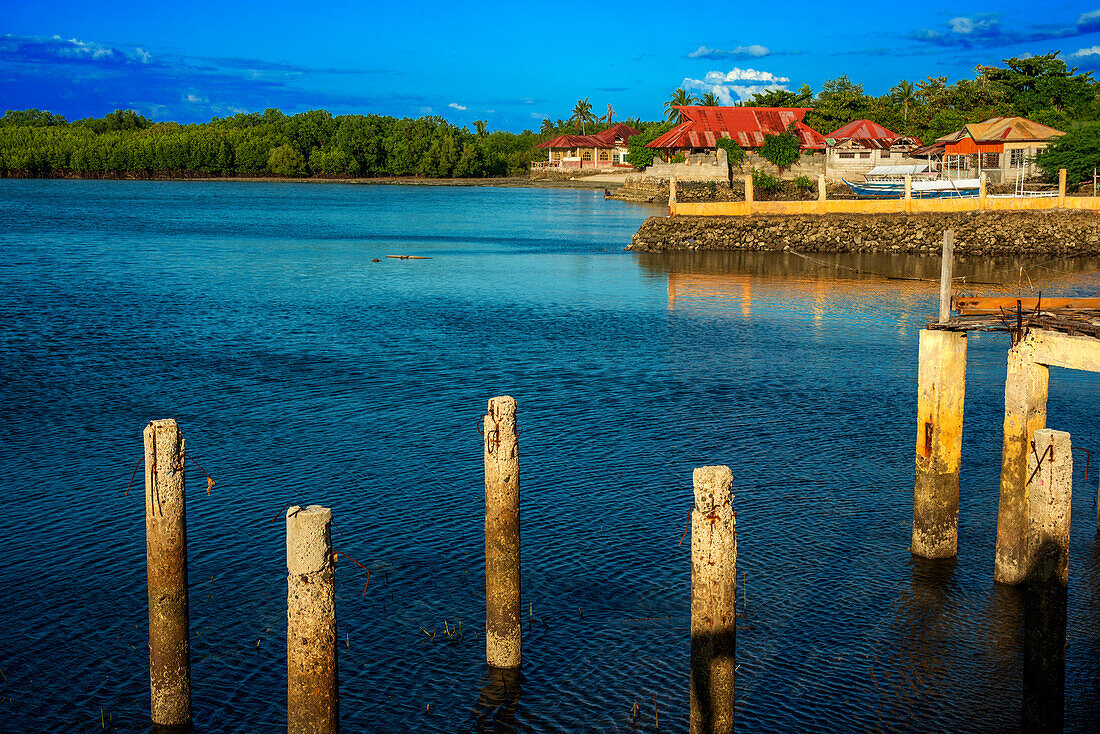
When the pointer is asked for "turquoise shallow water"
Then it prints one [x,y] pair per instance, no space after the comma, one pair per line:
[301,371]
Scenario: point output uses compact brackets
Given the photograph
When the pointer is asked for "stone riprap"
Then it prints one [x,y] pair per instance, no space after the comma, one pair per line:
[1058,232]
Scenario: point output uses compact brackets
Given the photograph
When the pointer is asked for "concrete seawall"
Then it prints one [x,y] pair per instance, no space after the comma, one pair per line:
[1055,232]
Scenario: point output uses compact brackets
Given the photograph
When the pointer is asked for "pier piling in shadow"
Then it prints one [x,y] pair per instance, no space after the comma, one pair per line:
[166,568]
[312,703]
[713,601]
[502,534]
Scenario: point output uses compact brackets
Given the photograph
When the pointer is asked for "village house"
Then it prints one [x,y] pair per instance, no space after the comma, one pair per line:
[862,146]
[605,149]
[1003,148]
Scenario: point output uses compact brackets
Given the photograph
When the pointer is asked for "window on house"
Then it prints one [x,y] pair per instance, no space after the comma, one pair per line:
[586,154]
[885,154]
[1016,157]
[865,155]
[605,155]
[846,155]
[991,160]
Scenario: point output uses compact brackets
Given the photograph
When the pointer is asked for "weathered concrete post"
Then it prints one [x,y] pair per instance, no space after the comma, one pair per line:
[748,194]
[908,192]
[502,572]
[166,567]
[1061,188]
[941,386]
[672,195]
[821,193]
[981,191]
[947,268]
[713,601]
[311,672]
[1026,385]
[1050,470]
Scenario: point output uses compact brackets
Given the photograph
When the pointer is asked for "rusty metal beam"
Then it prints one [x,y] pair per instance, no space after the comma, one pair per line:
[973,305]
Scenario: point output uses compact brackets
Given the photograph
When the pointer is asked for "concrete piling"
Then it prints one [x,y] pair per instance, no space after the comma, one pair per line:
[748,194]
[312,703]
[502,539]
[713,601]
[941,390]
[947,268]
[1026,386]
[166,568]
[1049,488]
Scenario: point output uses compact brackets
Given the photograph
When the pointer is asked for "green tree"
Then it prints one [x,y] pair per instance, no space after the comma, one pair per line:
[782,150]
[679,98]
[481,126]
[640,156]
[286,161]
[1078,151]
[735,155]
[582,114]
[904,94]
[710,99]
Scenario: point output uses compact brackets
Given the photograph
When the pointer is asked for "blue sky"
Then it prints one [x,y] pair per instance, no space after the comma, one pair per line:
[511,64]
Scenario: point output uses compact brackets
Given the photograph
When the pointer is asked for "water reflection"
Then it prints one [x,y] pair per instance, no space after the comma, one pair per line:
[1045,598]
[498,702]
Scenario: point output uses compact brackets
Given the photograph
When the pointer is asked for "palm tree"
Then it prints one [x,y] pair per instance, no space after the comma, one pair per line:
[547,126]
[904,95]
[480,126]
[609,115]
[582,113]
[710,99]
[679,98]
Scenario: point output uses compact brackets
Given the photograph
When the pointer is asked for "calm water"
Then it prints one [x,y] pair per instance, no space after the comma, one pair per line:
[303,372]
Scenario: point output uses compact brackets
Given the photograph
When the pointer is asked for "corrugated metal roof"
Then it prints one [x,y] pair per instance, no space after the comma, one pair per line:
[863,130]
[1003,129]
[620,131]
[747,126]
[575,141]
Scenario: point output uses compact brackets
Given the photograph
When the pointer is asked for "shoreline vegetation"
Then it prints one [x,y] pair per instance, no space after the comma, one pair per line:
[316,144]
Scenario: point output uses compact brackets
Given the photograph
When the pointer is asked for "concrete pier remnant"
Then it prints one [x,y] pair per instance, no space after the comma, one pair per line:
[502,538]
[713,601]
[1049,487]
[1026,386]
[311,666]
[166,568]
[941,386]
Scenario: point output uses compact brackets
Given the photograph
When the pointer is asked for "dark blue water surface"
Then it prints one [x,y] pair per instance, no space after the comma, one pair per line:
[303,372]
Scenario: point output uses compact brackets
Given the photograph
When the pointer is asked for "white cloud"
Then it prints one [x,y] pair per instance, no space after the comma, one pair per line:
[457,106]
[194,98]
[738,74]
[1089,17]
[143,55]
[965,26]
[755,50]
[1090,51]
[718,83]
[425,110]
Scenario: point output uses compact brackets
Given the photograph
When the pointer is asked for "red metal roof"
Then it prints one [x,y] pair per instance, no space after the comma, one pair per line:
[863,130]
[575,141]
[620,131]
[704,126]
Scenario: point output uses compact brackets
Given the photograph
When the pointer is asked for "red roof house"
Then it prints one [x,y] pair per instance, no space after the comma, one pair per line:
[868,134]
[605,148]
[704,126]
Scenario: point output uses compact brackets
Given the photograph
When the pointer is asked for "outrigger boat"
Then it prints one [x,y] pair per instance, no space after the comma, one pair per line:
[888,182]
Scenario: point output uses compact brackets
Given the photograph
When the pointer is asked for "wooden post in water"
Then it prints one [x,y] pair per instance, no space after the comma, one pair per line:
[1026,385]
[947,267]
[1061,188]
[502,571]
[713,601]
[1050,487]
[312,706]
[941,385]
[748,194]
[166,568]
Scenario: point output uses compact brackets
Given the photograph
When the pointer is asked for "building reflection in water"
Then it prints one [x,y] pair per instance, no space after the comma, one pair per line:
[498,702]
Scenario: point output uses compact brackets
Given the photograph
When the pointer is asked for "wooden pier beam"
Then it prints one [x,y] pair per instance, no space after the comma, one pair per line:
[1026,385]
[312,705]
[502,535]
[941,388]
[713,602]
[166,568]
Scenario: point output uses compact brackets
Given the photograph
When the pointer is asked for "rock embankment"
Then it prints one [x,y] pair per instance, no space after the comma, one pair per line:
[1058,232]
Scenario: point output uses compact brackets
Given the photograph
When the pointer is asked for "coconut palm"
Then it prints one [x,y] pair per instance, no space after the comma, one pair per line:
[547,126]
[582,113]
[481,126]
[609,115]
[679,98]
[904,95]
[710,99]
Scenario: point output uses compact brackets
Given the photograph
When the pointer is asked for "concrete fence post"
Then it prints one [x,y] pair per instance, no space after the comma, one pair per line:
[312,705]
[748,194]
[1062,188]
[502,535]
[940,397]
[908,192]
[713,601]
[982,191]
[1026,386]
[166,568]
[672,195]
